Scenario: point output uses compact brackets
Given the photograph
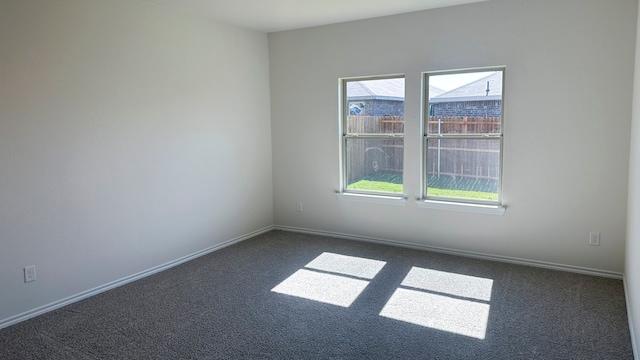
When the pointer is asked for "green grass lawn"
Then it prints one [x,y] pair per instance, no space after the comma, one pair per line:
[376,186]
[464,194]
[392,183]
[387,182]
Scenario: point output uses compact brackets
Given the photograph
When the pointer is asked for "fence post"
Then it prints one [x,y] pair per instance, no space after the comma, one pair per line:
[439,132]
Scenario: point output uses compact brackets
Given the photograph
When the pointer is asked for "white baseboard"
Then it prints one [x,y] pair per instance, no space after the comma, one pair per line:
[634,345]
[91,292]
[108,286]
[471,254]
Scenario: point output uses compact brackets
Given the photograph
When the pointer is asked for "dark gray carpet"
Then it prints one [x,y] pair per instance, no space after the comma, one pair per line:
[221,306]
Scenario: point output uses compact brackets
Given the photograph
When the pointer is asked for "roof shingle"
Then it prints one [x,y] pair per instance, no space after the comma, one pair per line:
[476,90]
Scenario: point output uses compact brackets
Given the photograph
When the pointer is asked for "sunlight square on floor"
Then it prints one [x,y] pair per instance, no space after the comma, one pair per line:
[326,288]
[346,265]
[449,283]
[442,300]
[439,312]
[331,278]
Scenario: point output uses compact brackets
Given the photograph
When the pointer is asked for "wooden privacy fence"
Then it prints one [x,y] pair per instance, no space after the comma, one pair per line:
[464,125]
[478,159]
[466,158]
[366,157]
[375,124]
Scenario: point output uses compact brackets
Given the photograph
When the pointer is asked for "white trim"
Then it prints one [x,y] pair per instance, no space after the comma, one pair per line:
[464,253]
[464,207]
[379,199]
[634,345]
[125,280]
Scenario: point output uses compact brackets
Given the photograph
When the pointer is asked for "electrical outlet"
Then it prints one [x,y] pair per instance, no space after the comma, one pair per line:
[299,207]
[30,273]
[594,238]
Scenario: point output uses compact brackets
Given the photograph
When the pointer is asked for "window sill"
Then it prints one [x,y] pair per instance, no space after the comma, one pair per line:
[463,207]
[378,199]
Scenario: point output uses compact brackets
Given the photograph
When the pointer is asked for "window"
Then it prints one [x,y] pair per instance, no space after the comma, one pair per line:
[372,112]
[463,135]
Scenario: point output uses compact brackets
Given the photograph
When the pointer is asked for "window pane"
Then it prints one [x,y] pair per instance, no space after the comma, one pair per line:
[375,106]
[467,103]
[462,168]
[374,164]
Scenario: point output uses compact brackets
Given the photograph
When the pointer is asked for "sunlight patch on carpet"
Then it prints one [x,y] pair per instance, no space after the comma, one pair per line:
[449,283]
[346,265]
[439,312]
[441,300]
[326,288]
[331,278]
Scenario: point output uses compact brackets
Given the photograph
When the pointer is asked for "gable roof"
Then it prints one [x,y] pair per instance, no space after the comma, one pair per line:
[434,91]
[382,89]
[474,91]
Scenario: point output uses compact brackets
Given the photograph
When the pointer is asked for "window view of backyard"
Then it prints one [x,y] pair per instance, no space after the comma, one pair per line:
[464,136]
[374,129]
[463,129]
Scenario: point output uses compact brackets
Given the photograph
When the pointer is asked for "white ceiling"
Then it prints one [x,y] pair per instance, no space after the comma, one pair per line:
[278,15]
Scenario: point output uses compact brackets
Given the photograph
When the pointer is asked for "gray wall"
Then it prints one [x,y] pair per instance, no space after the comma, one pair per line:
[632,260]
[130,136]
[566,125]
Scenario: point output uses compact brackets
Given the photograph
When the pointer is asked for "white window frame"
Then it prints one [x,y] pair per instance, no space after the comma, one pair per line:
[362,195]
[450,203]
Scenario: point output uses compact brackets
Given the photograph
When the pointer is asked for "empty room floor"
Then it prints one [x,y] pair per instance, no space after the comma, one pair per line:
[285,295]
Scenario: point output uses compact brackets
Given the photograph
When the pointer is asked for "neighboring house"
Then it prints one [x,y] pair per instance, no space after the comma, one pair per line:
[480,98]
[379,97]
[434,91]
[376,97]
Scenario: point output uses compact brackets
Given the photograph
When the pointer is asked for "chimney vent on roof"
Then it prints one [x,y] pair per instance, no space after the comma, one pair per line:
[488,88]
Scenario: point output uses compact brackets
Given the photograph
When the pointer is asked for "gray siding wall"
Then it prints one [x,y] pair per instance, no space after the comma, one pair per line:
[383,107]
[492,108]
